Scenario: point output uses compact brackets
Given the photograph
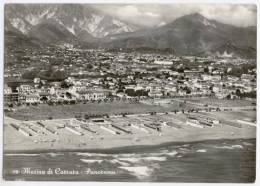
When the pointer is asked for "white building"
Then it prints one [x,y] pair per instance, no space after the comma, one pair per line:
[7,89]
[24,89]
[163,62]
[32,98]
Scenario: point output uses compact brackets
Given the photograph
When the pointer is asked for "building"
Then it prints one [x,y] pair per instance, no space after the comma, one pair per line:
[10,98]
[7,89]
[92,95]
[36,80]
[155,92]
[247,77]
[24,89]
[32,98]
[163,62]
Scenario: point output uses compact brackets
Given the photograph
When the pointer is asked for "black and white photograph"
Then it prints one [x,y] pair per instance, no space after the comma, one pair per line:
[130,92]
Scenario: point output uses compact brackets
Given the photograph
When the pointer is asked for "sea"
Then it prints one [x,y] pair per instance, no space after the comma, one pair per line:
[221,161]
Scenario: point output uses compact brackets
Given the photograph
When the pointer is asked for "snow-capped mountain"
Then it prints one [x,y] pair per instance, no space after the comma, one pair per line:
[84,25]
[83,21]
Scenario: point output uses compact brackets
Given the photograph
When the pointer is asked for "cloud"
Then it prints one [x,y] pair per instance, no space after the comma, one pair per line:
[150,14]
[128,11]
[155,14]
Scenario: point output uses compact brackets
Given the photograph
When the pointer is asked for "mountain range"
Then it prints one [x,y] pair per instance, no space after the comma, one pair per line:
[83,22]
[191,34]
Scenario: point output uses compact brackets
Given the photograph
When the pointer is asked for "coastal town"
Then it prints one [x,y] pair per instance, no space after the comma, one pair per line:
[65,75]
[66,94]
[131,92]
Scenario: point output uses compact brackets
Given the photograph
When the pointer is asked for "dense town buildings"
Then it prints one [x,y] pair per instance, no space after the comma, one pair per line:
[60,74]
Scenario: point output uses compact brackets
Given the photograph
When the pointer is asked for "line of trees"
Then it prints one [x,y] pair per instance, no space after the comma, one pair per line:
[133,93]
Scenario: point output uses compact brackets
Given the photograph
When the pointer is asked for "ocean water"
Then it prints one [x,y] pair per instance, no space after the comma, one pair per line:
[210,161]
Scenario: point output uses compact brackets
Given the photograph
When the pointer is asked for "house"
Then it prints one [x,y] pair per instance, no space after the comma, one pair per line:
[21,98]
[13,97]
[55,84]
[247,77]
[25,89]
[182,93]
[32,98]
[163,62]
[77,88]
[92,94]
[44,97]
[170,90]
[98,95]
[7,89]
[121,95]
[155,91]
[36,80]
[155,94]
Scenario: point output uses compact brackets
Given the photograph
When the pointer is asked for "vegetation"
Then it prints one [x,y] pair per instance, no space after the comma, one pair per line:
[51,74]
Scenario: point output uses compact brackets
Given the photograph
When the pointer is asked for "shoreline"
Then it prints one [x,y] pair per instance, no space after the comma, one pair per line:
[119,149]
[56,136]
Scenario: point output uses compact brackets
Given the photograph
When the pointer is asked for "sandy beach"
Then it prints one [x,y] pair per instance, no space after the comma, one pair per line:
[66,140]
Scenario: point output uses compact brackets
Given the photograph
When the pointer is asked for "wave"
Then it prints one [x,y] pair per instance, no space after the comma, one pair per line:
[149,158]
[230,147]
[161,153]
[247,144]
[18,154]
[201,150]
[184,150]
[91,160]
[115,161]
[125,154]
[132,160]
[238,146]
[54,154]
[224,147]
[90,154]
[155,158]
[172,154]
[140,171]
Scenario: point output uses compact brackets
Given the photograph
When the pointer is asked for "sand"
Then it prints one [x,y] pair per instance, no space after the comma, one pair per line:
[15,141]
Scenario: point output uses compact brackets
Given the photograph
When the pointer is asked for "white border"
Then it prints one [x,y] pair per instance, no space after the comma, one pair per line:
[41,183]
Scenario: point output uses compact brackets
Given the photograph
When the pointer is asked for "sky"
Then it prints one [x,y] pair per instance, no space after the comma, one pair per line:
[159,14]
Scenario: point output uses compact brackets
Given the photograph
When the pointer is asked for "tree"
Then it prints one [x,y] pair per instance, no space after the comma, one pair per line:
[30,74]
[141,93]
[130,92]
[152,69]
[58,75]
[180,70]
[238,92]
[89,66]
[229,96]
[206,70]
[188,91]
[64,84]
[44,99]
[68,95]
[173,68]
[86,116]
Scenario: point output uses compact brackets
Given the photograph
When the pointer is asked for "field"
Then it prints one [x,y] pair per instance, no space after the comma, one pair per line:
[220,102]
[113,108]
[69,111]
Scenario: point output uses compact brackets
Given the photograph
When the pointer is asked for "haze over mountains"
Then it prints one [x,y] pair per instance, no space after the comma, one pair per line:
[191,34]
